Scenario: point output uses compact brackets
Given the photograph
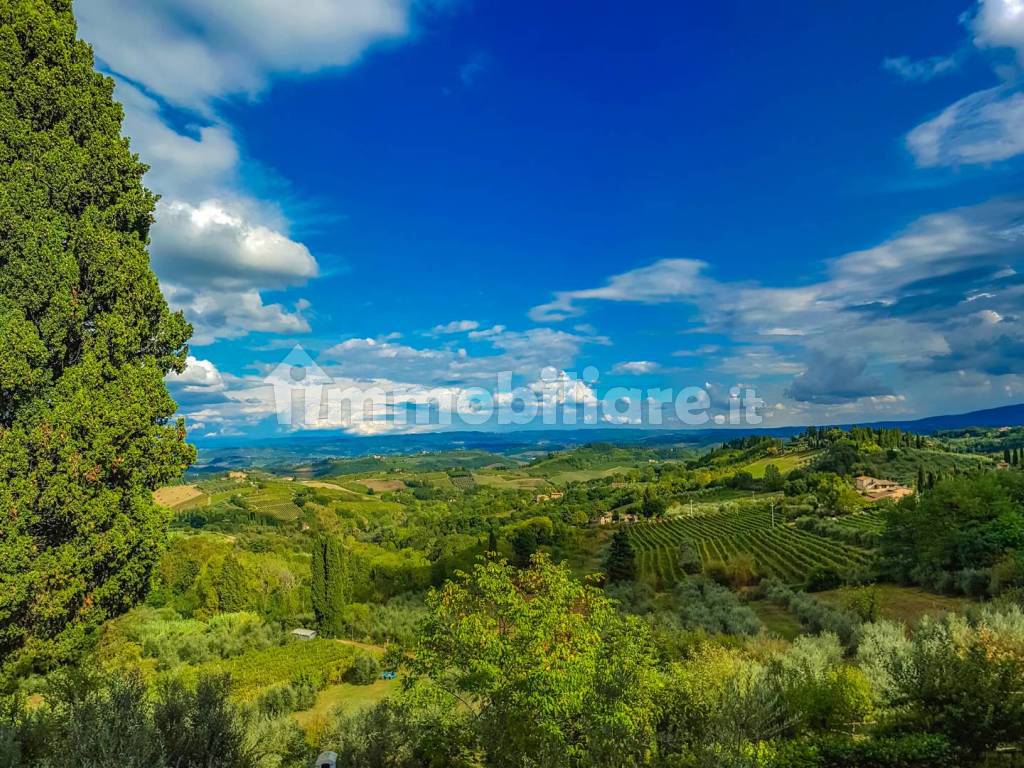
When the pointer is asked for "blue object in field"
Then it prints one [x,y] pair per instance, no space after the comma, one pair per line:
[388,675]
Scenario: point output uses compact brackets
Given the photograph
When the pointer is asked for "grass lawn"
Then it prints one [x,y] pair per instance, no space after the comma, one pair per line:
[777,619]
[906,604]
[343,698]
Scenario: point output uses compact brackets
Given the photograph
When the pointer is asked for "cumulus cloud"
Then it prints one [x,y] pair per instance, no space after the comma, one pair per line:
[216,246]
[217,243]
[198,373]
[194,161]
[232,314]
[1000,24]
[832,378]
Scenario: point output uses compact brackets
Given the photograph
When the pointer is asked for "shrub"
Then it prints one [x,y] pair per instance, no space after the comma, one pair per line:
[704,604]
[822,578]
[364,670]
[918,750]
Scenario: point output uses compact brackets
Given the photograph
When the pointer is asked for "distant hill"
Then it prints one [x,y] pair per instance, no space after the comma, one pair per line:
[285,452]
[1005,416]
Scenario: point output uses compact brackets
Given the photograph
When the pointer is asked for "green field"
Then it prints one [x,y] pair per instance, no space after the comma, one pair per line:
[510,482]
[255,671]
[583,475]
[274,499]
[786,463]
[343,698]
[781,551]
[904,604]
[870,520]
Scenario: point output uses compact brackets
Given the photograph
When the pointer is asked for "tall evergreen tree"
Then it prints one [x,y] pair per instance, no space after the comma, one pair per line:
[331,587]
[85,430]
[920,479]
[621,562]
[1006,456]
[231,587]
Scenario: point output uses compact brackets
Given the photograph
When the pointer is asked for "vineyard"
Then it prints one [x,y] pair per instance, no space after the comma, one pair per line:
[781,551]
[872,520]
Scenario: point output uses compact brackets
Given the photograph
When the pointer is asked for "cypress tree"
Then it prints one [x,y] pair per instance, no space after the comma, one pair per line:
[920,479]
[85,430]
[621,562]
[331,586]
[231,587]
[1007,457]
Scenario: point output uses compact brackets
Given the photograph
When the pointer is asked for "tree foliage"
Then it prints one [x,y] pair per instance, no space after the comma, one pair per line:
[85,434]
[620,564]
[331,584]
[545,666]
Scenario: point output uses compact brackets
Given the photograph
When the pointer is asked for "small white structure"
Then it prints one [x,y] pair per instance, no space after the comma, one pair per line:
[304,634]
[327,760]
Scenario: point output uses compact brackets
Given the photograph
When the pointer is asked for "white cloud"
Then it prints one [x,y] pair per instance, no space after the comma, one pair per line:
[1000,24]
[985,127]
[921,70]
[200,374]
[219,314]
[217,244]
[214,260]
[635,367]
[895,305]
[456,326]
[193,52]
[665,280]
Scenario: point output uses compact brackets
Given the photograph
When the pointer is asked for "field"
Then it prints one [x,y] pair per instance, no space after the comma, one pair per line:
[780,550]
[343,698]
[870,520]
[257,670]
[383,486]
[785,463]
[274,499]
[509,482]
[905,604]
[583,475]
[777,619]
[173,496]
[325,486]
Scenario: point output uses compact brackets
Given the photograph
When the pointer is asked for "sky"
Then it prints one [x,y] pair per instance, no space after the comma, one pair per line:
[819,202]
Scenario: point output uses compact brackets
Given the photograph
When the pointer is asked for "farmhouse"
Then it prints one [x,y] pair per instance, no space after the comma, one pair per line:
[875,489]
[304,634]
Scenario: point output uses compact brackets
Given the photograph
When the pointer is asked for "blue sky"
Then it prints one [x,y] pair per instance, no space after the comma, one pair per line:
[817,200]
